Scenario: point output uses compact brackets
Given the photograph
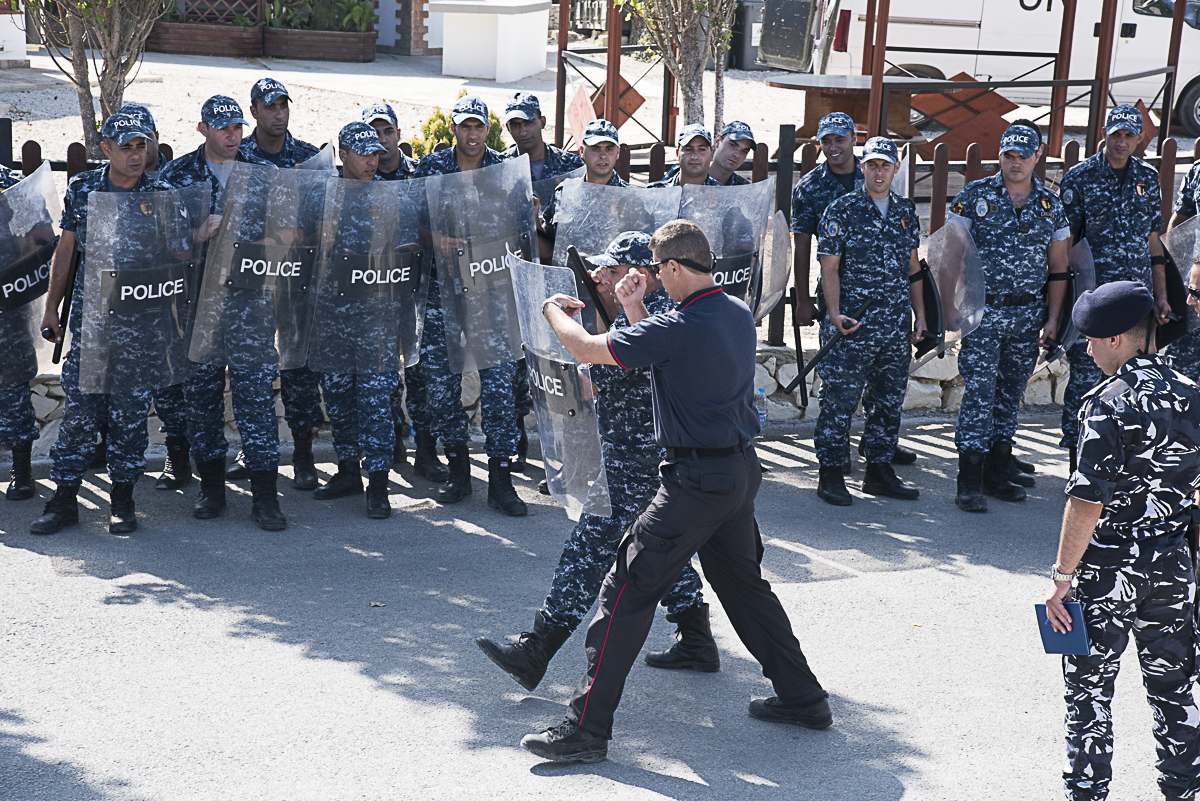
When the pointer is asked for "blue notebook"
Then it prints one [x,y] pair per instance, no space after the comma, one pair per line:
[1074,642]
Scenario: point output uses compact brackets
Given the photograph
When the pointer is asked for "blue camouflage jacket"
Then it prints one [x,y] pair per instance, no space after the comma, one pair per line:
[192,168]
[294,151]
[9,177]
[672,179]
[74,214]
[816,190]
[1185,203]
[557,160]
[406,170]
[549,223]
[443,162]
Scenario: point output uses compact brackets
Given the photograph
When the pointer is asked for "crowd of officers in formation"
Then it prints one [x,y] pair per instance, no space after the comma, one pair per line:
[867,241]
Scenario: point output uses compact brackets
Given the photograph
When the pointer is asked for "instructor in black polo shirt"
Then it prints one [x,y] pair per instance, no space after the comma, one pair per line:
[701,357]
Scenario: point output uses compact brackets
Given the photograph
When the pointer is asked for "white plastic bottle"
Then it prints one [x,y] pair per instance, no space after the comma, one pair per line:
[760,405]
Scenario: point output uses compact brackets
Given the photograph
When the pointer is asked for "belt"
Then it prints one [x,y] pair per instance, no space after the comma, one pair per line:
[1011,300]
[706,453]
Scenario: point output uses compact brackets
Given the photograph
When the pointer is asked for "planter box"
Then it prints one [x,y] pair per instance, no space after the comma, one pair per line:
[202,39]
[319,45]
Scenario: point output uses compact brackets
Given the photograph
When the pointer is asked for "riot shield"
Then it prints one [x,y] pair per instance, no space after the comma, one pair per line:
[137,301]
[371,273]
[29,215]
[955,293]
[1181,253]
[543,190]
[1081,278]
[564,399]
[254,311]
[476,219]
[735,219]
[776,271]
[322,160]
[589,216]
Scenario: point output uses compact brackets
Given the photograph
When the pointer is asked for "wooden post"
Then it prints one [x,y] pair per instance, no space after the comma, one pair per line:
[875,125]
[76,159]
[670,110]
[658,162]
[1168,101]
[1062,72]
[1071,155]
[1166,176]
[31,157]
[560,96]
[165,153]
[974,168]
[868,39]
[1099,105]
[783,202]
[1040,169]
[6,149]
[937,199]
[760,169]
[612,83]
[623,163]
[808,158]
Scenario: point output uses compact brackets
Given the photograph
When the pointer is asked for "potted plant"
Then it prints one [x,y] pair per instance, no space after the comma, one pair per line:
[321,30]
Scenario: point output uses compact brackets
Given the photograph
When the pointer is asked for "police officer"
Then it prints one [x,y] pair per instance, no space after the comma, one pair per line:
[18,422]
[1113,200]
[703,379]
[393,164]
[839,174]
[1129,504]
[599,151]
[152,155]
[1184,353]
[631,459]
[1022,235]
[124,142]
[447,418]
[734,146]
[867,244]
[694,145]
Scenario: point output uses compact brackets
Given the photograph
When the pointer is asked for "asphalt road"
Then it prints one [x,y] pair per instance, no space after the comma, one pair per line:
[211,660]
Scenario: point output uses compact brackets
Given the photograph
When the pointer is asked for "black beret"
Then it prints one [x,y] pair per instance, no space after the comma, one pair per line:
[1111,309]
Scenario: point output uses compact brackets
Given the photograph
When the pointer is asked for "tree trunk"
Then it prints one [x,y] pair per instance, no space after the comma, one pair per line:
[693,56]
[719,90]
[83,88]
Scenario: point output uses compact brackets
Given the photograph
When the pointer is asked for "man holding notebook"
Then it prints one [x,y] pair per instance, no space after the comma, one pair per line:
[1124,538]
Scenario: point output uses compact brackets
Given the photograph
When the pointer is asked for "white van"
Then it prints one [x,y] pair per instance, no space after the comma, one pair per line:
[1142,39]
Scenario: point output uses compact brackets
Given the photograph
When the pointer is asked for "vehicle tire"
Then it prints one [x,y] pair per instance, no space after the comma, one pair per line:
[920,121]
[1188,110]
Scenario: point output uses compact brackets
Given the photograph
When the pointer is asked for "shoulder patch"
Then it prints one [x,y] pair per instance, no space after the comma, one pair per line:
[1045,201]
[981,208]
[1140,188]
[957,208]
[1068,196]
[832,229]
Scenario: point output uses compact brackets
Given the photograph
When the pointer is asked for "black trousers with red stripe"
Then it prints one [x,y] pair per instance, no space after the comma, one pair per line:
[704,506]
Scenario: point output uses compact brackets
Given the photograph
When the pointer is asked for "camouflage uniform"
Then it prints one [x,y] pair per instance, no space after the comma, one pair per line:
[549,221]
[1184,352]
[1117,220]
[406,169]
[997,358]
[631,459]
[443,414]
[557,162]
[1139,455]
[875,262]
[18,422]
[294,151]
[673,180]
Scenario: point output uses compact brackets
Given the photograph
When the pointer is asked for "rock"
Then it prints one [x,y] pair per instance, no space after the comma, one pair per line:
[46,409]
[943,369]
[229,407]
[46,439]
[763,380]
[782,353]
[770,363]
[1060,367]
[922,395]
[786,373]
[470,389]
[54,389]
[39,389]
[952,397]
[279,407]
[781,407]
[1038,392]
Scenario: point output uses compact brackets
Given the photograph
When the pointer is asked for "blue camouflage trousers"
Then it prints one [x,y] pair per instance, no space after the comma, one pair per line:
[399,421]
[591,549]
[441,413]
[1152,599]
[171,407]
[300,390]
[253,411]
[18,422]
[874,358]
[1084,375]
[1184,354]
[83,414]
[360,417]
[996,360]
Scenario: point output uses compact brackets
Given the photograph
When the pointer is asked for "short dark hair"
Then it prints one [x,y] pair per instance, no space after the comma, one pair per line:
[1144,331]
[682,239]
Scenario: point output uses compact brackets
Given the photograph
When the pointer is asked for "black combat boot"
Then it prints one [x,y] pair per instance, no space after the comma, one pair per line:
[177,472]
[501,494]
[238,470]
[970,497]
[212,490]
[566,742]
[378,505]
[20,486]
[1023,466]
[458,477]
[881,479]
[346,481]
[425,458]
[901,455]
[995,473]
[1017,476]
[696,649]
[831,486]
[847,462]
[304,470]
[100,456]
[814,715]
[61,511]
[122,517]
[520,461]
[544,487]
[264,487]
[399,452]
[526,659]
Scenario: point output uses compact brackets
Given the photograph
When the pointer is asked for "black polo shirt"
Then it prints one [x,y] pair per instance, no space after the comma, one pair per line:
[701,360]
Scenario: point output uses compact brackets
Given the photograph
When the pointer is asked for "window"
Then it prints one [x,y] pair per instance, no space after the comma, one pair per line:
[1166,8]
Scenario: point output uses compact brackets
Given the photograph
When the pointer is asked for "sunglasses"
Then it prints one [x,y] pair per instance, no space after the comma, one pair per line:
[1194,293]
[658,265]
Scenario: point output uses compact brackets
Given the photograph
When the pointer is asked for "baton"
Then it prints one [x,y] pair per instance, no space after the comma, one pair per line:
[64,316]
[799,349]
[837,334]
[575,262]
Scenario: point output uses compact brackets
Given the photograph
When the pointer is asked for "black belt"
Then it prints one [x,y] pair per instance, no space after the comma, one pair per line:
[706,453]
[1011,300]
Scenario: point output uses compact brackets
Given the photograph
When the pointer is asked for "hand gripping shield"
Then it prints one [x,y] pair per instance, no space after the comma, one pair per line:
[371,277]
[1181,252]
[254,311]
[138,288]
[29,215]
[589,216]
[735,220]
[564,399]
[1081,277]
[954,291]
[477,218]
[776,268]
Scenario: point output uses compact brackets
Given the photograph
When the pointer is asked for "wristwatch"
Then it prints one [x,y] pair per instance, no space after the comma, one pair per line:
[1056,576]
[548,301]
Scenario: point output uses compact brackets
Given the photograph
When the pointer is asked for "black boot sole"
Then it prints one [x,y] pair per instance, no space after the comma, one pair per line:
[964,503]
[438,475]
[888,492]
[492,651]
[325,494]
[173,483]
[122,526]
[208,512]
[455,495]
[760,711]
[699,667]
[1007,497]
[268,523]
[834,500]
[19,492]
[306,478]
[53,523]
[514,511]
[546,751]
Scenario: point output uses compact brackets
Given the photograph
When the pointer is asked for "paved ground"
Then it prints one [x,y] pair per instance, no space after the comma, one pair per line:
[212,660]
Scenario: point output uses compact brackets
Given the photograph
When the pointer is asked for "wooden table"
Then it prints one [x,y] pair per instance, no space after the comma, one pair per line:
[851,94]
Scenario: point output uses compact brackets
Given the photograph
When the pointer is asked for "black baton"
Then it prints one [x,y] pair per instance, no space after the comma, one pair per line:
[575,262]
[837,334]
[799,349]
[64,316]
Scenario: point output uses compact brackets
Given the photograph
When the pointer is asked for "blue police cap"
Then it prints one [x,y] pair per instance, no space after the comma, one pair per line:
[880,147]
[837,123]
[522,106]
[361,138]
[138,110]
[1111,309]
[267,91]
[1124,118]
[598,131]
[690,132]
[379,111]
[220,111]
[1021,139]
[468,107]
[738,130]
[631,247]
[124,127]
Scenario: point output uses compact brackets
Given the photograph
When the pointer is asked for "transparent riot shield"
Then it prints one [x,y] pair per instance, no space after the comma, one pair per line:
[1182,255]
[589,216]
[735,220]
[543,190]
[322,160]
[254,311]
[564,399]
[29,215]
[370,273]
[476,219]
[137,301]
[955,293]
[1081,278]
[776,272]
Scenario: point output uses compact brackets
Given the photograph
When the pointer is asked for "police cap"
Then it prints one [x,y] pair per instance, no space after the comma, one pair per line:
[837,123]
[1020,139]
[138,110]
[469,107]
[124,127]
[1124,118]
[738,130]
[267,91]
[598,131]
[379,111]
[690,132]
[1111,309]
[880,147]
[631,247]
[522,106]
[361,138]
[220,112]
